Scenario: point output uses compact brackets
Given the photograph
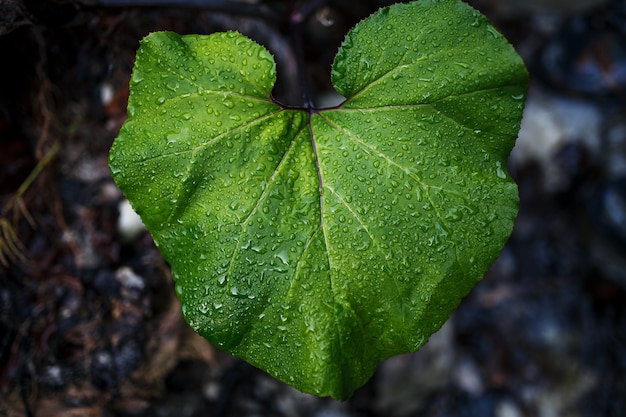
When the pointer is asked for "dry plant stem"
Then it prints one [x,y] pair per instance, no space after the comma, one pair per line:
[37,170]
[11,248]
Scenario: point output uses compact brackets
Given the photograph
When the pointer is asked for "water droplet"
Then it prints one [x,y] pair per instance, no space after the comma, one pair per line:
[258,248]
[493,31]
[283,256]
[265,55]
[499,171]
[173,86]
[179,290]
[137,76]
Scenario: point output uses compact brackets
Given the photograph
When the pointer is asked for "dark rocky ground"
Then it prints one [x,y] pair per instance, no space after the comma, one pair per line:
[89,325]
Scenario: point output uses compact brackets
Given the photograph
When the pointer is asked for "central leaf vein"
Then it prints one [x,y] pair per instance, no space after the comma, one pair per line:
[331,268]
[305,249]
[262,197]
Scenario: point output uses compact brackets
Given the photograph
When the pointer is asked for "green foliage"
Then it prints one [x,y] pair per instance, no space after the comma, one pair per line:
[315,244]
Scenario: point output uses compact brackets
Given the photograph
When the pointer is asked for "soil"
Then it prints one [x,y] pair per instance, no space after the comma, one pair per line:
[90,325]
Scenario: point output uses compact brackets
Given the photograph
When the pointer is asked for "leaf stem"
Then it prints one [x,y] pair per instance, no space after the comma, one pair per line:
[295,25]
[297,19]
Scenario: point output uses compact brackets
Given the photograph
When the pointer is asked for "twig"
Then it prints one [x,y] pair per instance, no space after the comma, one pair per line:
[11,248]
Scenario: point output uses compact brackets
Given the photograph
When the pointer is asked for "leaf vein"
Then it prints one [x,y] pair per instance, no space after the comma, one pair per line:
[413,105]
[213,140]
[425,187]
[388,73]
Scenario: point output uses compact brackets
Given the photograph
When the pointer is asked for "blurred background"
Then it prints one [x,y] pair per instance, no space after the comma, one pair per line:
[90,326]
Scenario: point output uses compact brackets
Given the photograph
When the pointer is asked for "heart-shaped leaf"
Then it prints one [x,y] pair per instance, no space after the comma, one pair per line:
[315,244]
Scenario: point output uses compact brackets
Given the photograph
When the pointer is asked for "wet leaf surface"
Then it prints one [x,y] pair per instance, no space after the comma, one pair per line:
[317,244]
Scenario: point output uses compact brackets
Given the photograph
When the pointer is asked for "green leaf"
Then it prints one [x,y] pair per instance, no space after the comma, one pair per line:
[316,244]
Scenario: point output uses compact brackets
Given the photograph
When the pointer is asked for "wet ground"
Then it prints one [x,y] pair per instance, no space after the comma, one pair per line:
[90,326]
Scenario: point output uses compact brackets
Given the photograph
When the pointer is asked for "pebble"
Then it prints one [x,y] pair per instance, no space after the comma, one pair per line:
[551,122]
[129,224]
